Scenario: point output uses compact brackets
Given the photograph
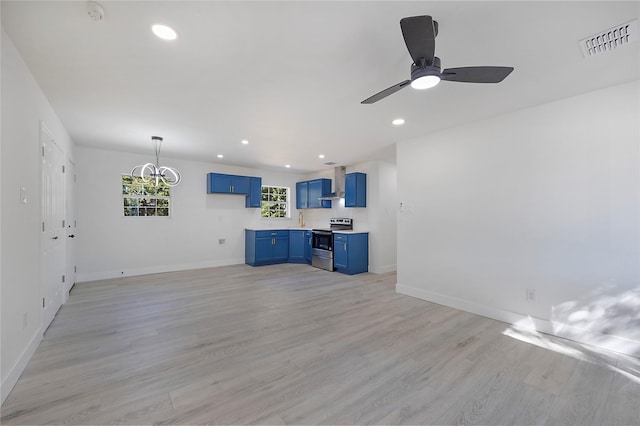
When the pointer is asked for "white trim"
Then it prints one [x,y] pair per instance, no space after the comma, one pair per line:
[383,269]
[589,337]
[15,372]
[119,273]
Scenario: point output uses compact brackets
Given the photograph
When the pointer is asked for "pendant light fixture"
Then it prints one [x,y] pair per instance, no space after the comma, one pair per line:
[153,172]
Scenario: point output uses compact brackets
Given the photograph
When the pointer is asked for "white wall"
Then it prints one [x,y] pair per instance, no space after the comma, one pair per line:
[24,106]
[111,245]
[378,218]
[545,198]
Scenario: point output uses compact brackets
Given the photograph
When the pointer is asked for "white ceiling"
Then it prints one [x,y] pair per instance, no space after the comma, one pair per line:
[289,76]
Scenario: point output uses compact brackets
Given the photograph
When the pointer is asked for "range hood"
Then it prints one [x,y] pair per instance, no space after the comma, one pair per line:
[338,184]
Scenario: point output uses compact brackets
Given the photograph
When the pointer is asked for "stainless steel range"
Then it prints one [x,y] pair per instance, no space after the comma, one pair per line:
[322,242]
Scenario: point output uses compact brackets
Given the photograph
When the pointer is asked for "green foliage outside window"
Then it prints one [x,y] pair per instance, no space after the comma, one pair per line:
[144,199]
[275,201]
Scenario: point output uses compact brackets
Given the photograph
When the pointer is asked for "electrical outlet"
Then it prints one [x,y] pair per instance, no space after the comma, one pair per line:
[531,294]
[222,241]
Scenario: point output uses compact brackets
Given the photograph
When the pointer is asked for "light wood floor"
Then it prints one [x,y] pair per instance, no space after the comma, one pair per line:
[291,344]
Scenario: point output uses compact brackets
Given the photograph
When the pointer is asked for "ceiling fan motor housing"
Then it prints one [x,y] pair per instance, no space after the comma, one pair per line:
[418,71]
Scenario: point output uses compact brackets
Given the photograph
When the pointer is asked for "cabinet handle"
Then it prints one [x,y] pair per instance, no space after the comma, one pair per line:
[345,246]
[231,188]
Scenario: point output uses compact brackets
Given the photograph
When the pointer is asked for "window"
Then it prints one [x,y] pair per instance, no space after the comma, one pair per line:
[144,199]
[275,201]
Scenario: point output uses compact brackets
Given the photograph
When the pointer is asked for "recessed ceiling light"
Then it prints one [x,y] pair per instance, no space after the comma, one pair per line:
[220,156]
[287,165]
[245,142]
[321,156]
[398,122]
[164,32]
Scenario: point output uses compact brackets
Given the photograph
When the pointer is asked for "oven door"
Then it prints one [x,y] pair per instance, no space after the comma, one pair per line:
[322,250]
[322,240]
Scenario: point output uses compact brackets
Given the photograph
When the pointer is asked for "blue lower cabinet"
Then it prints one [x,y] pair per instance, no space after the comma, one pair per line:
[297,246]
[266,247]
[351,253]
[308,236]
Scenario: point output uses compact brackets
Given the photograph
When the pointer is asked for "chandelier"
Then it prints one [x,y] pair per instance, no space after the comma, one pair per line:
[150,172]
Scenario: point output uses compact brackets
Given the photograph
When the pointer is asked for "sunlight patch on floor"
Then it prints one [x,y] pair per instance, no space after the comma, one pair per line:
[525,330]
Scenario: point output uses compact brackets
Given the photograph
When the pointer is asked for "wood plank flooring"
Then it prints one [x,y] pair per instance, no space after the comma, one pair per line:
[292,344]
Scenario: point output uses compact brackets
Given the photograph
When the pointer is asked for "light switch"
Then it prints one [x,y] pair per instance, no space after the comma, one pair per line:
[23,195]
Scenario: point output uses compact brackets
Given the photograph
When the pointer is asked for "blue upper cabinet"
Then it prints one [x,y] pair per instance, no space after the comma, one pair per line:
[302,194]
[240,185]
[218,183]
[355,190]
[308,192]
[250,186]
[255,192]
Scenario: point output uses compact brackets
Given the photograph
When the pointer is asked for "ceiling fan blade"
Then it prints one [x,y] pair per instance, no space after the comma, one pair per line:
[476,74]
[420,37]
[386,92]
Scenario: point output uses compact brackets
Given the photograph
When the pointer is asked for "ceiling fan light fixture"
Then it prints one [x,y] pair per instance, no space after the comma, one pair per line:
[425,82]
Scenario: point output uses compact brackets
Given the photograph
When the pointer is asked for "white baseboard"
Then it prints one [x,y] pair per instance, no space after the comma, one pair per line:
[567,331]
[14,374]
[119,273]
[383,269]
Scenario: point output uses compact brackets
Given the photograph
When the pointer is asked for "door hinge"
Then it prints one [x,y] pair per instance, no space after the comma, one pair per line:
[62,169]
[63,223]
[43,302]
[74,223]
[75,268]
[42,226]
[63,278]
[42,149]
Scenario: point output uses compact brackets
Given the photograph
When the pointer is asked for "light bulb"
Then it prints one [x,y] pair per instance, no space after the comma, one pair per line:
[425,82]
[164,32]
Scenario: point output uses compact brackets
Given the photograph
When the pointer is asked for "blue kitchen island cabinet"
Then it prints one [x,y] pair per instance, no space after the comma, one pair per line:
[351,252]
[355,190]
[266,247]
[297,245]
[308,192]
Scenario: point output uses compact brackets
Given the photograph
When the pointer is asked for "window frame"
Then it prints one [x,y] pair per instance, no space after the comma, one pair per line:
[286,202]
[142,194]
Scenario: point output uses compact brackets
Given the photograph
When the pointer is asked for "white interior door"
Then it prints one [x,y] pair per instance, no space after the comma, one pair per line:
[53,235]
[70,278]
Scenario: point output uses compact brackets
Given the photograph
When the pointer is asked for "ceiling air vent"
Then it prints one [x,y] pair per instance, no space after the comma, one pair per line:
[330,163]
[610,39]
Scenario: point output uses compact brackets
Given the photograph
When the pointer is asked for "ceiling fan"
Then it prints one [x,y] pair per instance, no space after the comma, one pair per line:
[419,34]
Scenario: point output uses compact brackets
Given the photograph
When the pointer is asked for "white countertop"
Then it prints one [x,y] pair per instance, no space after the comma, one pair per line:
[279,228]
[350,232]
[297,228]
